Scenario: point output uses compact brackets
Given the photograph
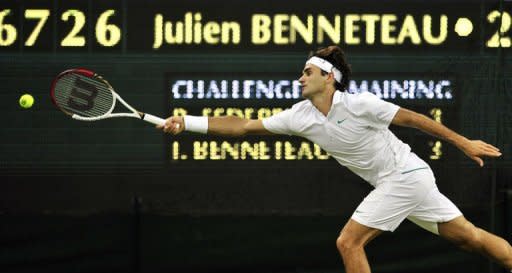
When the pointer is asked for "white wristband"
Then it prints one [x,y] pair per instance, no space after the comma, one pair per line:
[196,124]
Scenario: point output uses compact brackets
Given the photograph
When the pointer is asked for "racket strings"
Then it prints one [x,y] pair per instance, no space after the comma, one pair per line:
[83,96]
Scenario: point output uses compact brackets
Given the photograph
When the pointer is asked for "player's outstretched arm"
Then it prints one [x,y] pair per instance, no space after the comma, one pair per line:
[474,149]
[223,126]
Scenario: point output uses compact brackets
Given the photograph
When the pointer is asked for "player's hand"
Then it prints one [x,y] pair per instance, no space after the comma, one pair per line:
[173,125]
[476,149]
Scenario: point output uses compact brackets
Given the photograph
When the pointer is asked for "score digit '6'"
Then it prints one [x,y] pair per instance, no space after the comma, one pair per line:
[8,32]
[107,34]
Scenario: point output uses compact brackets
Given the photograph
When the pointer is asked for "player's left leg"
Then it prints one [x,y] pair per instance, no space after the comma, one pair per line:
[464,234]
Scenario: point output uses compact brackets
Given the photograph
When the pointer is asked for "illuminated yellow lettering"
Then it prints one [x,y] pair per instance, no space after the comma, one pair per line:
[437,114]
[73,39]
[192,30]
[427,30]
[499,38]
[370,20]
[158,31]
[207,112]
[264,113]
[409,30]
[200,150]
[278,150]
[248,112]
[247,148]
[188,27]
[260,29]
[175,150]
[179,112]
[351,28]
[211,32]
[324,26]
[280,27]
[214,151]
[178,37]
[319,153]
[42,15]
[306,33]
[263,151]
[230,27]
[437,150]
[8,32]
[289,151]
[235,112]
[107,34]
[226,147]
[387,28]
[305,151]
[218,112]
[197,28]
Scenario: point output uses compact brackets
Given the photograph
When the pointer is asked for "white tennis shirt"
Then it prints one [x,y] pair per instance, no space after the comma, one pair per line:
[355,132]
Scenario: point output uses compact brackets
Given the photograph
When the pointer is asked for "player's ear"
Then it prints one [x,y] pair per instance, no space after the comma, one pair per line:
[330,76]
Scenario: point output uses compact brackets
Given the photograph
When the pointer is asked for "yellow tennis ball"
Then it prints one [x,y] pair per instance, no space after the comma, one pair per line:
[26,101]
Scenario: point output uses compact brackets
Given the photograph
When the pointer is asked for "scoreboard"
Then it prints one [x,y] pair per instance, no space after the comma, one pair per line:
[159,26]
[260,95]
[447,59]
[226,57]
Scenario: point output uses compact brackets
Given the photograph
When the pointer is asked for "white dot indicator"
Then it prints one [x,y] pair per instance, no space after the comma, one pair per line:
[463,27]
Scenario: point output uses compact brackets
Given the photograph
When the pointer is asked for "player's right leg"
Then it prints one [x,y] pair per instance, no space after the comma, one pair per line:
[350,244]
[464,234]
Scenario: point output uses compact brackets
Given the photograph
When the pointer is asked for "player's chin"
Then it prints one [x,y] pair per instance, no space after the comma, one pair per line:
[305,94]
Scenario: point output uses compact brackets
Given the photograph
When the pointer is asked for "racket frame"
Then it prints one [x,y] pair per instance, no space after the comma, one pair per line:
[135,114]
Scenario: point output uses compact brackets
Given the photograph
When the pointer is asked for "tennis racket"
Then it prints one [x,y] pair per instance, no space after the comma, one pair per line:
[84,95]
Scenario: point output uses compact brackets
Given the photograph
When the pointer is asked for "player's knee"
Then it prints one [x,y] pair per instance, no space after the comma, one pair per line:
[346,243]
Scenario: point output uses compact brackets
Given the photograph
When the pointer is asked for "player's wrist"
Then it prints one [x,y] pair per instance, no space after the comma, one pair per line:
[196,124]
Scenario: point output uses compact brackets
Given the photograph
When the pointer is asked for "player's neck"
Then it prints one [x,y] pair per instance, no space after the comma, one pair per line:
[323,101]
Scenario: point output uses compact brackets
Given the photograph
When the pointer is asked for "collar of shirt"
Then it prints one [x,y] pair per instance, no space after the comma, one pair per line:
[336,98]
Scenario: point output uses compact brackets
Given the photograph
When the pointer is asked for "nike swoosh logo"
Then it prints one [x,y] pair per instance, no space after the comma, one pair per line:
[340,121]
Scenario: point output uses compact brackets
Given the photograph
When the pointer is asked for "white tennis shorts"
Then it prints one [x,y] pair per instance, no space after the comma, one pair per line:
[408,193]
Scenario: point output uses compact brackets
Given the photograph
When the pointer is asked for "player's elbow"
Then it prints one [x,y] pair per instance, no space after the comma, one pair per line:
[237,132]
[239,127]
[253,127]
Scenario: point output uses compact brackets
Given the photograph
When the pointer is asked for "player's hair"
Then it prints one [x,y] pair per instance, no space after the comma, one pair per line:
[336,57]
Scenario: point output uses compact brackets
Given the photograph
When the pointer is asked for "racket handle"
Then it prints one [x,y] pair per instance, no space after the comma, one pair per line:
[153,119]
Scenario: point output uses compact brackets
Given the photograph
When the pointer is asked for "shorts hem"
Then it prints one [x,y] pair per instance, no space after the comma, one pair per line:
[364,223]
[448,219]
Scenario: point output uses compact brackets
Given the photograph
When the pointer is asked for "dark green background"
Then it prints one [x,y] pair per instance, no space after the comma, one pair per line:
[68,188]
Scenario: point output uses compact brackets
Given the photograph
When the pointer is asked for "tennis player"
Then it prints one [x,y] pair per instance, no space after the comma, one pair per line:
[353,129]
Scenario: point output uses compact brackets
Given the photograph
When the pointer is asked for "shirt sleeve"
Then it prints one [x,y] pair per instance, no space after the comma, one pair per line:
[279,123]
[379,113]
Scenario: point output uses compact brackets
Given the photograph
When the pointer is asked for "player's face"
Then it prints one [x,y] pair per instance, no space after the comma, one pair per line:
[312,81]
